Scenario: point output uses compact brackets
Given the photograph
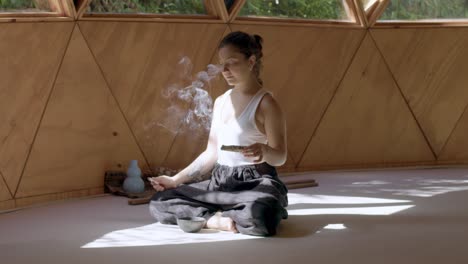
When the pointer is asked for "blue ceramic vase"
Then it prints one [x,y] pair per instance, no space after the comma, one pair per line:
[133,183]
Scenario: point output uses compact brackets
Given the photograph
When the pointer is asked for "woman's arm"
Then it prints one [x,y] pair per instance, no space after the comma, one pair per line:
[201,165]
[275,152]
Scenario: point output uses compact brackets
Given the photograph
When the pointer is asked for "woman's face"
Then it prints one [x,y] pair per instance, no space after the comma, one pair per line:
[235,67]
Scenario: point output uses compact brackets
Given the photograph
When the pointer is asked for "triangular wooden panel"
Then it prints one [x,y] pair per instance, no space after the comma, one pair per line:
[140,61]
[456,149]
[190,143]
[368,121]
[4,192]
[430,67]
[83,132]
[30,54]
[303,67]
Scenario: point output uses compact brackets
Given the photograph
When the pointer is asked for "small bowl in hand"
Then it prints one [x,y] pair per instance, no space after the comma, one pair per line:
[191,224]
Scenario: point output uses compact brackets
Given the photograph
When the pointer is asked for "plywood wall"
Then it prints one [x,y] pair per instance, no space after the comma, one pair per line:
[368,121]
[79,98]
[82,133]
[154,51]
[430,66]
[30,55]
[303,67]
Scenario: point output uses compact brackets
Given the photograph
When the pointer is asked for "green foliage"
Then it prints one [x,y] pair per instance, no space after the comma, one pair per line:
[24,5]
[148,6]
[425,9]
[307,9]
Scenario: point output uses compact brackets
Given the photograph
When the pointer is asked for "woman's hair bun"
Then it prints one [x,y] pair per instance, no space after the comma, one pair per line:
[258,40]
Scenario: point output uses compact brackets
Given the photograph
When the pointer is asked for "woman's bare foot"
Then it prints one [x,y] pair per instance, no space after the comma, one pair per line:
[221,223]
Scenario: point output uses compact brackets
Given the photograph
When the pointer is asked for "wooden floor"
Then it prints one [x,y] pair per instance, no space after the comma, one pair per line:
[374,217]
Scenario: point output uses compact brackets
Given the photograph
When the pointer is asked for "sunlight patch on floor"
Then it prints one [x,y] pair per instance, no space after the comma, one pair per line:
[159,234]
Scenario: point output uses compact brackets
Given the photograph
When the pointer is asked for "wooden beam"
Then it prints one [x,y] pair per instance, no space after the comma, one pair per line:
[236,8]
[69,8]
[57,7]
[29,19]
[421,24]
[28,14]
[350,10]
[222,11]
[370,8]
[64,8]
[81,8]
[217,9]
[379,9]
[359,8]
[210,7]
[273,21]
[165,18]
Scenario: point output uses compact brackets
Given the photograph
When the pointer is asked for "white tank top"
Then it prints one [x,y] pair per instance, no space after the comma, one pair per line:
[240,131]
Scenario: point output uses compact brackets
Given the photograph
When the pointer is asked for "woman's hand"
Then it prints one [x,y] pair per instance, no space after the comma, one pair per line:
[162,183]
[256,151]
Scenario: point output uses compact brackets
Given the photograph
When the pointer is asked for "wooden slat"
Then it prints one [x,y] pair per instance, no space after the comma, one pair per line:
[379,9]
[421,24]
[210,7]
[386,166]
[370,9]
[56,6]
[368,120]
[235,9]
[130,16]
[361,14]
[35,19]
[81,8]
[7,205]
[217,8]
[303,67]
[29,14]
[31,54]
[69,8]
[83,132]
[429,66]
[221,10]
[152,19]
[62,7]
[351,11]
[53,197]
[290,22]
[153,51]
